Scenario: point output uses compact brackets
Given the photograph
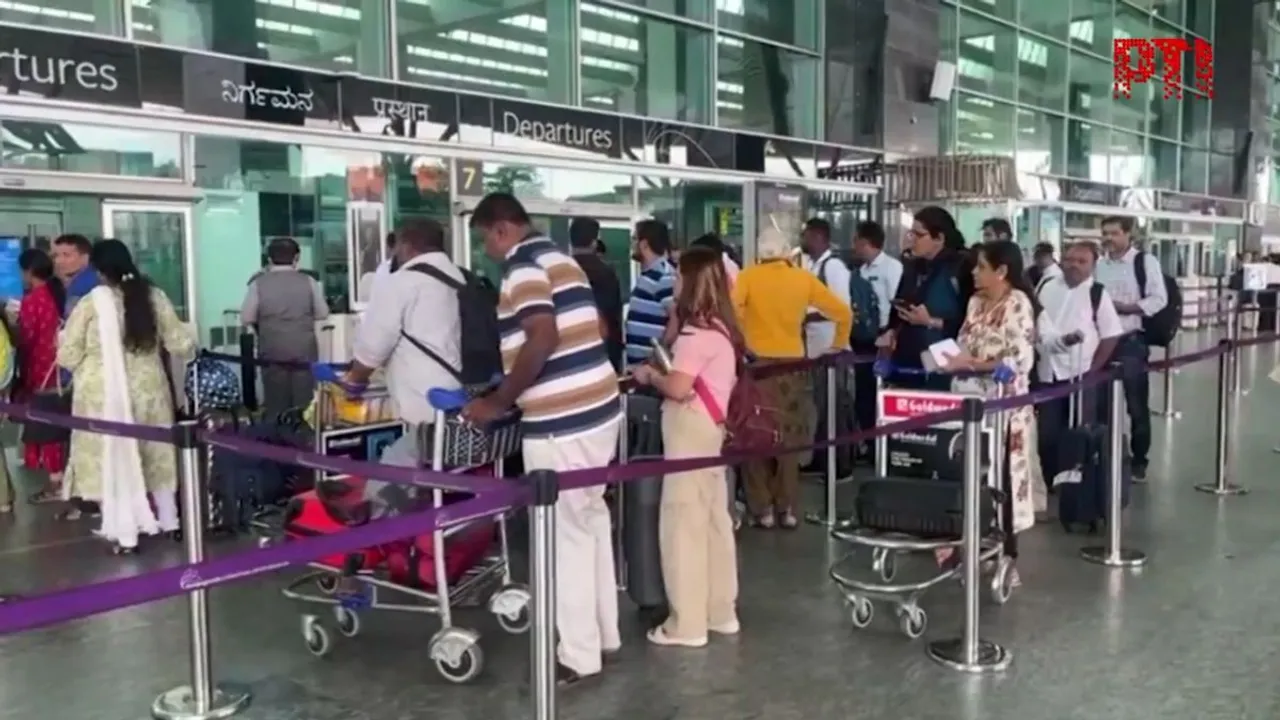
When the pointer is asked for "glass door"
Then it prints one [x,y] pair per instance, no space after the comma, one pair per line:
[159,236]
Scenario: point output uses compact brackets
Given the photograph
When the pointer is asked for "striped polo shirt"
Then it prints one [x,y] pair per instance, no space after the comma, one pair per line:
[648,308]
[577,390]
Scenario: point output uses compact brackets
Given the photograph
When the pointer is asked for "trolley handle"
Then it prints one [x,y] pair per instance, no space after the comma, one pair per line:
[447,400]
[332,373]
[1003,373]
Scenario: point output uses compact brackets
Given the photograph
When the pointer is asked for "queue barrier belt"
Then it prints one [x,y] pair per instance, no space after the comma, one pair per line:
[492,497]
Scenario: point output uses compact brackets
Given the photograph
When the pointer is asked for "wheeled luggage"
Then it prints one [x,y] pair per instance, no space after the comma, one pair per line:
[641,508]
[1084,496]
[931,509]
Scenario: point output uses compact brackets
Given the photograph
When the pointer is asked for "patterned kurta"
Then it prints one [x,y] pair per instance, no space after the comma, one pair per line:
[1005,330]
[38,321]
[80,351]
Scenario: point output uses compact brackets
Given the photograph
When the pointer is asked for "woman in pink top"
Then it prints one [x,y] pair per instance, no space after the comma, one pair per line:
[699,553]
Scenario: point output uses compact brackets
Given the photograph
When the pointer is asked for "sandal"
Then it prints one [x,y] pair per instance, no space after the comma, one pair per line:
[788,521]
[764,522]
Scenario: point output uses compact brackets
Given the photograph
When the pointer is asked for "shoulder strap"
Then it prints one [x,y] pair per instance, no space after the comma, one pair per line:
[1140,272]
[438,274]
[1040,285]
[822,270]
[1095,299]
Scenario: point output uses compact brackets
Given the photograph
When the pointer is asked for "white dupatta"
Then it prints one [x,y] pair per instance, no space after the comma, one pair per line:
[126,509]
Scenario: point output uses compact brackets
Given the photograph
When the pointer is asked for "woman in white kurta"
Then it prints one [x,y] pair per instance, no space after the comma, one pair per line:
[111,344]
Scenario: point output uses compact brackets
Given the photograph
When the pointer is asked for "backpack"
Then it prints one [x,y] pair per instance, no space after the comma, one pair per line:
[478,313]
[212,385]
[866,308]
[1161,328]
[750,422]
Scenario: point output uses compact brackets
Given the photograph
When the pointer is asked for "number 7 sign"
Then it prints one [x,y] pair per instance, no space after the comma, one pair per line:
[1134,60]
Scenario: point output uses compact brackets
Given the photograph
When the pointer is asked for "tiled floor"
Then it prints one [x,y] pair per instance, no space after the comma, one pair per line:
[1190,637]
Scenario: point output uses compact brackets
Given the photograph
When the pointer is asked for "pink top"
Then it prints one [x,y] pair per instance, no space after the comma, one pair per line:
[707,355]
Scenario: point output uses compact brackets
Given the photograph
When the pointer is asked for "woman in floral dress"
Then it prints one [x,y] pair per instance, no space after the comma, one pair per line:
[999,329]
[112,344]
[39,317]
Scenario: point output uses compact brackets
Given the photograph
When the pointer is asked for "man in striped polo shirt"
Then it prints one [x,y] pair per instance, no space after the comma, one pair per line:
[557,371]
[649,307]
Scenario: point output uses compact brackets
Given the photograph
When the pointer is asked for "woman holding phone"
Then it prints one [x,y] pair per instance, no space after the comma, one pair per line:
[699,553]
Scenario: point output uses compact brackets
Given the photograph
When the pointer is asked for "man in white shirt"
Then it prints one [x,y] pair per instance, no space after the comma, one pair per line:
[1116,271]
[820,259]
[883,272]
[415,304]
[1043,266]
[1078,331]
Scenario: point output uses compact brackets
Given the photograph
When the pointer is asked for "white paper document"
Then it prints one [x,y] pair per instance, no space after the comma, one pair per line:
[935,359]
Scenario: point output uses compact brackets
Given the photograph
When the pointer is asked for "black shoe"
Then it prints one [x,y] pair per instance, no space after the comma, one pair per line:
[566,676]
[1139,473]
[654,615]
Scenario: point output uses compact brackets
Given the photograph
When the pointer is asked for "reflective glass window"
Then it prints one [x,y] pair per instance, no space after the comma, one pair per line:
[1052,19]
[1222,175]
[1041,143]
[764,88]
[1195,120]
[634,64]
[1199,17]
[1194,173]
[1087,27]
[692,9]
[87,16]
[1003,9]
[524,51]
[793,22]
[983,127]
[89,149]
[1134,113]
[1131,22]
[1128,159]
[339,35]
[988,53]
[948,19]
[1164,164]
[1042,73]
[1089,88]
[1087,150]
[1166,114]
[1169,11]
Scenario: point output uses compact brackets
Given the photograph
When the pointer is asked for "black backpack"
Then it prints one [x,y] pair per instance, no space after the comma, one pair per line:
[478,312]
[1159,329]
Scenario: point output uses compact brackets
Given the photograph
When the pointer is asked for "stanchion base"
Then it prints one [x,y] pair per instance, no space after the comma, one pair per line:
[1228,489]
[178,703]
[1126,557]
[991,657]
[814,518]
[1171,414]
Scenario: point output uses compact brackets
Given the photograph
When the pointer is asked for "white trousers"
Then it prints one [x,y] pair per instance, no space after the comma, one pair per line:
[586,589]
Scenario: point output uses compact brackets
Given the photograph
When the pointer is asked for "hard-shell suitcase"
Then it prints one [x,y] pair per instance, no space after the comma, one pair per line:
[920,508]
[1087,450]
[641,506]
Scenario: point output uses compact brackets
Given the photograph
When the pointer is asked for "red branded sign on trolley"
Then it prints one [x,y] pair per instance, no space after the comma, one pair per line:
[896,405]
[1139,60]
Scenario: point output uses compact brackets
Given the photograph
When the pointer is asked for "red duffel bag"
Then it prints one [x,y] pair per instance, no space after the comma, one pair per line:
[332,509]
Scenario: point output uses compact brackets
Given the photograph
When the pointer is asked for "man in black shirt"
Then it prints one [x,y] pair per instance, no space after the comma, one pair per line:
[584,234]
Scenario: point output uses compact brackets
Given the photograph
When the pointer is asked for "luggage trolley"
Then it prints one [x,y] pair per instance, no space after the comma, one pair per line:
[457,447]
[907,456]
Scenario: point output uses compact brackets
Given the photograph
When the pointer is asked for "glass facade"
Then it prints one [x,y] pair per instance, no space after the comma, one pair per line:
[1035,83]
[743,64]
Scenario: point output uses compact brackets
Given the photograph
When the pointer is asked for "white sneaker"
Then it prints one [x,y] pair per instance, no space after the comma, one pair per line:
[730,628]
[658,636]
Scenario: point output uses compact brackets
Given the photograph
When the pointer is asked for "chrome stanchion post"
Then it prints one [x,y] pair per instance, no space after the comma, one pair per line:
[201,700]
[881,442]
[542,575]
[1166,410]
[1222,465]
[970,653]
[1113,554]
[619,490]
[1236,334]
[828,515]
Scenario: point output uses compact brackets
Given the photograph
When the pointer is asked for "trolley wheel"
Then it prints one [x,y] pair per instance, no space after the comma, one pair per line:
[862,613]
[328,584]
[348,621]
[1002,581]
[913,621]
[464,668]
[315,636]
[516,624]
[888,566]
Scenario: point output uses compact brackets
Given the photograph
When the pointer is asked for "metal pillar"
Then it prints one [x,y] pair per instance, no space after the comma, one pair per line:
[201,700]
[970,653]
[542,576]
[828,516]
[1166,404]
[1226,406]
[1113,554]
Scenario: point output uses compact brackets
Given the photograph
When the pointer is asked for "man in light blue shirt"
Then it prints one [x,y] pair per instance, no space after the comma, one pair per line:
[1117,272]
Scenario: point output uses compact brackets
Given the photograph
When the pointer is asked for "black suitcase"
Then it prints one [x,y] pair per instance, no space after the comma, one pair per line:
[1083,504]
[846,423]
[932,509]
[640,508]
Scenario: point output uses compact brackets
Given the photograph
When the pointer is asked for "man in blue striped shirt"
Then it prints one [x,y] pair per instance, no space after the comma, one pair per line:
[650,305]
